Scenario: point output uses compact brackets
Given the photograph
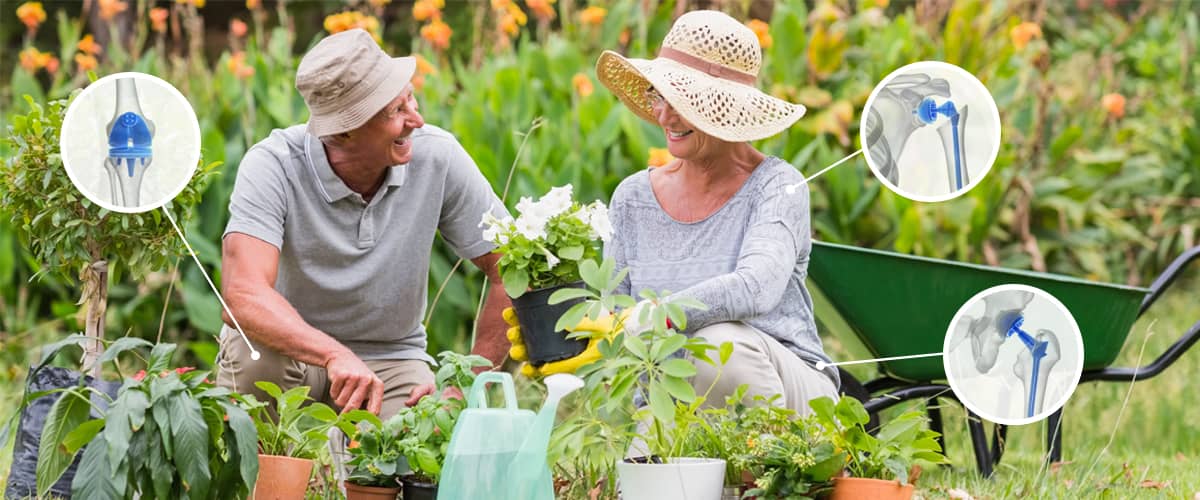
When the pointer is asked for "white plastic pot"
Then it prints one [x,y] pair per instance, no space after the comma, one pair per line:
[678,479]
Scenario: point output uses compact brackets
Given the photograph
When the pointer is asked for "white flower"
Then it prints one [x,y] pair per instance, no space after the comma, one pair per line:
[598,219]
[495,229]
[551,260]
[557,201]
[525,206]
[531,227]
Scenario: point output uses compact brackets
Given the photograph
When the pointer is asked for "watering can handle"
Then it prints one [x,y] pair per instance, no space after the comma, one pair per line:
[478,396]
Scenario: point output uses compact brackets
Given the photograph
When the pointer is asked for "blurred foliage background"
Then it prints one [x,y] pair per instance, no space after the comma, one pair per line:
[1097,175]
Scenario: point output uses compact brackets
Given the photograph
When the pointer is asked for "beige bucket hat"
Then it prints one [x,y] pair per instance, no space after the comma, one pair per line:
[707,70]
[346,79]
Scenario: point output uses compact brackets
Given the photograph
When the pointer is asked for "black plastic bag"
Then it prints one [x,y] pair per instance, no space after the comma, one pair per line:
[22,478]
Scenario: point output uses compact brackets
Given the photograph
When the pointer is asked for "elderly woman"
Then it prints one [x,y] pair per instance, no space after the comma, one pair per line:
[718,223]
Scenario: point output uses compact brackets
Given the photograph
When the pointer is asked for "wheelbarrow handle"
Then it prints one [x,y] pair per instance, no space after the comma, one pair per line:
[1168,276]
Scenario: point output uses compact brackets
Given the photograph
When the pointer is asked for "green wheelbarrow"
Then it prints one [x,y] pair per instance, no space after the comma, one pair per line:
[870,289]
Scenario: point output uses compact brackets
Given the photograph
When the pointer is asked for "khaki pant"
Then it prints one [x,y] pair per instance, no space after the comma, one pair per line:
[236,371]
[764,365]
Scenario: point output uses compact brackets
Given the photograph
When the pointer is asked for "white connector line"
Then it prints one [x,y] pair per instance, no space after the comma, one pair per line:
[821,365]
[253,353]
[791,188]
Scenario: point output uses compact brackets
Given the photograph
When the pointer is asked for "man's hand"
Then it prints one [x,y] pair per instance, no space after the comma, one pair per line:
[599,329]
[353,383]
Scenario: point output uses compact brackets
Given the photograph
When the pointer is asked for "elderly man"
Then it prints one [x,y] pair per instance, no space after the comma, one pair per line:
[326,255]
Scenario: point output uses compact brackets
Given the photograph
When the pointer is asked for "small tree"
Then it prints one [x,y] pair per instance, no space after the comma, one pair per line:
[71,237]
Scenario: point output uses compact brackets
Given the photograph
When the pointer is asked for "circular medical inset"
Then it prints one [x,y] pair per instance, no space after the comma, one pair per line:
[1013,354]
[130,142]
[930,131]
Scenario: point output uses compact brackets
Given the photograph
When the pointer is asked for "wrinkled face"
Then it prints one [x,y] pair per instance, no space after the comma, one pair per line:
[683,140]
[388,134]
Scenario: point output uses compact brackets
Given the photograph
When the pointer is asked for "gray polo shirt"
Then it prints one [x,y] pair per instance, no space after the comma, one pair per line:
[357,270]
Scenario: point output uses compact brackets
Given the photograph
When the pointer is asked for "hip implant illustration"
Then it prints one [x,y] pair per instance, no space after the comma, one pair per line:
[130,135]
[906,104]
[1004,319]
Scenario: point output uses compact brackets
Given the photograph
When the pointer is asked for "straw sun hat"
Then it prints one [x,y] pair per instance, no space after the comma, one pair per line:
[346,78]
[706,69]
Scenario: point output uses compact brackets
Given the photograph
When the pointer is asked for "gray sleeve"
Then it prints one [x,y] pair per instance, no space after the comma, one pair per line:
[777,236]
[466,197]
[258,204]
[614,248]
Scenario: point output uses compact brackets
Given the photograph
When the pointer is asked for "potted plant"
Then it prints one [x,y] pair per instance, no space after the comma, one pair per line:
[542,249]
[408,450]
[292,433]
[376,461]
[638,394]
[878,466]
[170,433]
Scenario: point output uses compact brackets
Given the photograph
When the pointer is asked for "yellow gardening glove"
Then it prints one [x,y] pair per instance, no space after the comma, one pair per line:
[598,329]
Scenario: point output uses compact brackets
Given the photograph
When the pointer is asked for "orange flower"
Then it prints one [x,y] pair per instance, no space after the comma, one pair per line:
[31,14]
[238,28]
[583,85]
[1022,33]
[541,8]
[198,3]
[593,16]
[88,45]
[158,19]
[437,33]
[239,68]
[33,59]
[337,23]
[424,10]
[660,157]
[140,375]
[501,4]
[511,19]
[425,67]
[86,62]
[623,38]
[1113,103]
[379,3]
[762,31]
[110,8]
[52,65]
[253,4]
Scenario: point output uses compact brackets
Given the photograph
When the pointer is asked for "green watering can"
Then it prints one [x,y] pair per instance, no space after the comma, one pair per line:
[500,453]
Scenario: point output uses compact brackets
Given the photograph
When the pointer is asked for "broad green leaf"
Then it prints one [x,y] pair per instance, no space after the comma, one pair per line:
[679,389]
[661,405]
[516,282]
[245,439]
[93,479]
[571,253]
[851,412]
[160,357]
[726,351]
[679,367]
[121,345]
[125,415]
[82,435]
[69,412]
[50,350]
[191,444]
[566,294]
[667,346]
[636,346]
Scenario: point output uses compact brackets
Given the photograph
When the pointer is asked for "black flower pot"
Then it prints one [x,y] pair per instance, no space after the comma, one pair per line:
[544,344]
[415,489]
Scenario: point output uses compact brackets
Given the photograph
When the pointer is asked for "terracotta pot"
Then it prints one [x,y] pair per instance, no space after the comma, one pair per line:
[362,492]
[854,488]
[282,478]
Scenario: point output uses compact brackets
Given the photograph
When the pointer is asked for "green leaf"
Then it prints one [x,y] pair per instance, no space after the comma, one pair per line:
[566,294]
[668,346]
[636,346]
[50,350]
[661,405]
[191,444]
[516,282]
[571,252]
[246,441]
[160,357]
[82,435]
[125,415]
[726,351]
[590,272]
[69,412]
[93,478]
[679,389]
[851,412]
[678,367]
[121,345]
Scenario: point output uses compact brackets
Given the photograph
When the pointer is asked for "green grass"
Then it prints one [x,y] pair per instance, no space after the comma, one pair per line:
[1147,448]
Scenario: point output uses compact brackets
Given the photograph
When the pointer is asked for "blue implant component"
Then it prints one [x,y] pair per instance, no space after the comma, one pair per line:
[129,140]
[928,112]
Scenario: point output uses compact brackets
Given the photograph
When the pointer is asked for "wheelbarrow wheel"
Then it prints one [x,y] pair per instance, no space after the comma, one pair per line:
[853,388]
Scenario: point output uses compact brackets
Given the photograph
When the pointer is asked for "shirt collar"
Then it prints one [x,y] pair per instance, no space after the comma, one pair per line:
[331,186]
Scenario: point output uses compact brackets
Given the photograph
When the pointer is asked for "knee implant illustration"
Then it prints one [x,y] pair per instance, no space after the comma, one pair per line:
[906,104]
[130,135]
[1004,319]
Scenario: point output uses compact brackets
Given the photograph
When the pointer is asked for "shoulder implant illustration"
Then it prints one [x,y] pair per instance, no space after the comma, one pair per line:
[130,135]
[910,102]
[1004,319]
